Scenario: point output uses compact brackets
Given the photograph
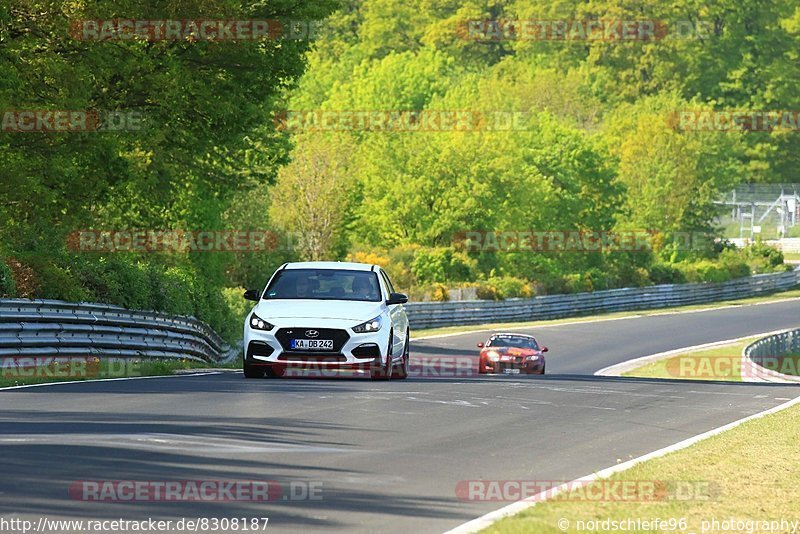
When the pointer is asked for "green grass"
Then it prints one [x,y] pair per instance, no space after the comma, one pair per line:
[791,256]
[794,293]
[747,473]
[83,369]
[718,363]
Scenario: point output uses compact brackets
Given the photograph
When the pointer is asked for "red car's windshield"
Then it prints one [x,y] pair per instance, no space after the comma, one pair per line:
[512,341]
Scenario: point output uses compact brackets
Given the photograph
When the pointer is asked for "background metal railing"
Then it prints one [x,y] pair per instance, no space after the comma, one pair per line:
[766,353]
[434,314]
[57,328]
[50,327]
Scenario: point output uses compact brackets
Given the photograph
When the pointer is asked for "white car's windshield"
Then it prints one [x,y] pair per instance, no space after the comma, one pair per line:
[324,284]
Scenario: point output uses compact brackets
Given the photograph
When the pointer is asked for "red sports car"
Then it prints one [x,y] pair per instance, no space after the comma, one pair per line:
[511,354]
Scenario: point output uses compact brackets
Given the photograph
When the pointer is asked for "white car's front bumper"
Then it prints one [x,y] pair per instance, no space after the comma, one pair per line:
[350,349]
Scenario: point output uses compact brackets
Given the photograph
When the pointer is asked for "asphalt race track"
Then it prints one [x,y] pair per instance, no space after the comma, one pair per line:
[387,456]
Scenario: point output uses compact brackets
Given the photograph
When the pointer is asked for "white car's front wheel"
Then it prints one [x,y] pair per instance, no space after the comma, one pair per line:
[401,371]
[384,372]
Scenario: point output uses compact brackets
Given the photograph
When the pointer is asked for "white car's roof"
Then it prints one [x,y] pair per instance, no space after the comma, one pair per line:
[345,265]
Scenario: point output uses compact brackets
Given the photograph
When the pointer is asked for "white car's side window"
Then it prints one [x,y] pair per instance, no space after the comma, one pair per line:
[387,282]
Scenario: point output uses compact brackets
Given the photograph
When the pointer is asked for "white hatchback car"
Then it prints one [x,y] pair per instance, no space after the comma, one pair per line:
[327,315]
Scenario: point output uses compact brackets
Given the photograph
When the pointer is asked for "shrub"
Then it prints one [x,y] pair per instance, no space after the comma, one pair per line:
[486,291]
[733,262]
[399,266]
[24,278]
[702,271]
[8,287]
[233,297]
[507,287]
[665,273]
[440,293]
[442,264]
[575,283]
[369,257]
[177,291]
[60,283]
[770,255]
[762,258]
[396,262]
[115,280]
[596,280]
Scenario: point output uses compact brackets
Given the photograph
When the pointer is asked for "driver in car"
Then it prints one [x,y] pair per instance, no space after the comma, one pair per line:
[362,289]
[303,288]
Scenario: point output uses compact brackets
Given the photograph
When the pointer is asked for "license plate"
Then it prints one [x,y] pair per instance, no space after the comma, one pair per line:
[312,344]
[511,371]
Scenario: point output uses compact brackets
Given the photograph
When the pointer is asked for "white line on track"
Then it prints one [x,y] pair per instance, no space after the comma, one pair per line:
[150,441]
[182,375]
[486,520]
[618,368]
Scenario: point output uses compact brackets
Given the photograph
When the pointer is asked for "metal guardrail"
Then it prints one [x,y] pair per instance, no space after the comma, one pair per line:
[767,351]
[51,327]
[434,314]
[58,328]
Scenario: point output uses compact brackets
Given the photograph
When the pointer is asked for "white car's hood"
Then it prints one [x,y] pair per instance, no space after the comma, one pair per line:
[317,309]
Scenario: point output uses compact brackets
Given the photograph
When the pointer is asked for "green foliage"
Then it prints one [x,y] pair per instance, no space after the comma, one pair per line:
[311,198]
[207,140]
[729,266]
[505,287]
[112,279]
[8,287]
[665,273]
[761,253]
[133,284]
[438,264]
[592,148]
[487,291]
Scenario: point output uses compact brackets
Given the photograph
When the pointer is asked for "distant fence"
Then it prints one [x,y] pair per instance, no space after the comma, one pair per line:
[57,328]
[767,352]
[452,313]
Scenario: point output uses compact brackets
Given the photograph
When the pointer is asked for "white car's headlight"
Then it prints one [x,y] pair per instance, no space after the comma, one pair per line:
[373,325]
[257,323]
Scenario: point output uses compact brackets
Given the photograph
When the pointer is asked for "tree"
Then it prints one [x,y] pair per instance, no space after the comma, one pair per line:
[310,200]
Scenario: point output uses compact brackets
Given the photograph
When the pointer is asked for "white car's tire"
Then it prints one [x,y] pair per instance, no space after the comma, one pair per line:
[384,372]
[401,371]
